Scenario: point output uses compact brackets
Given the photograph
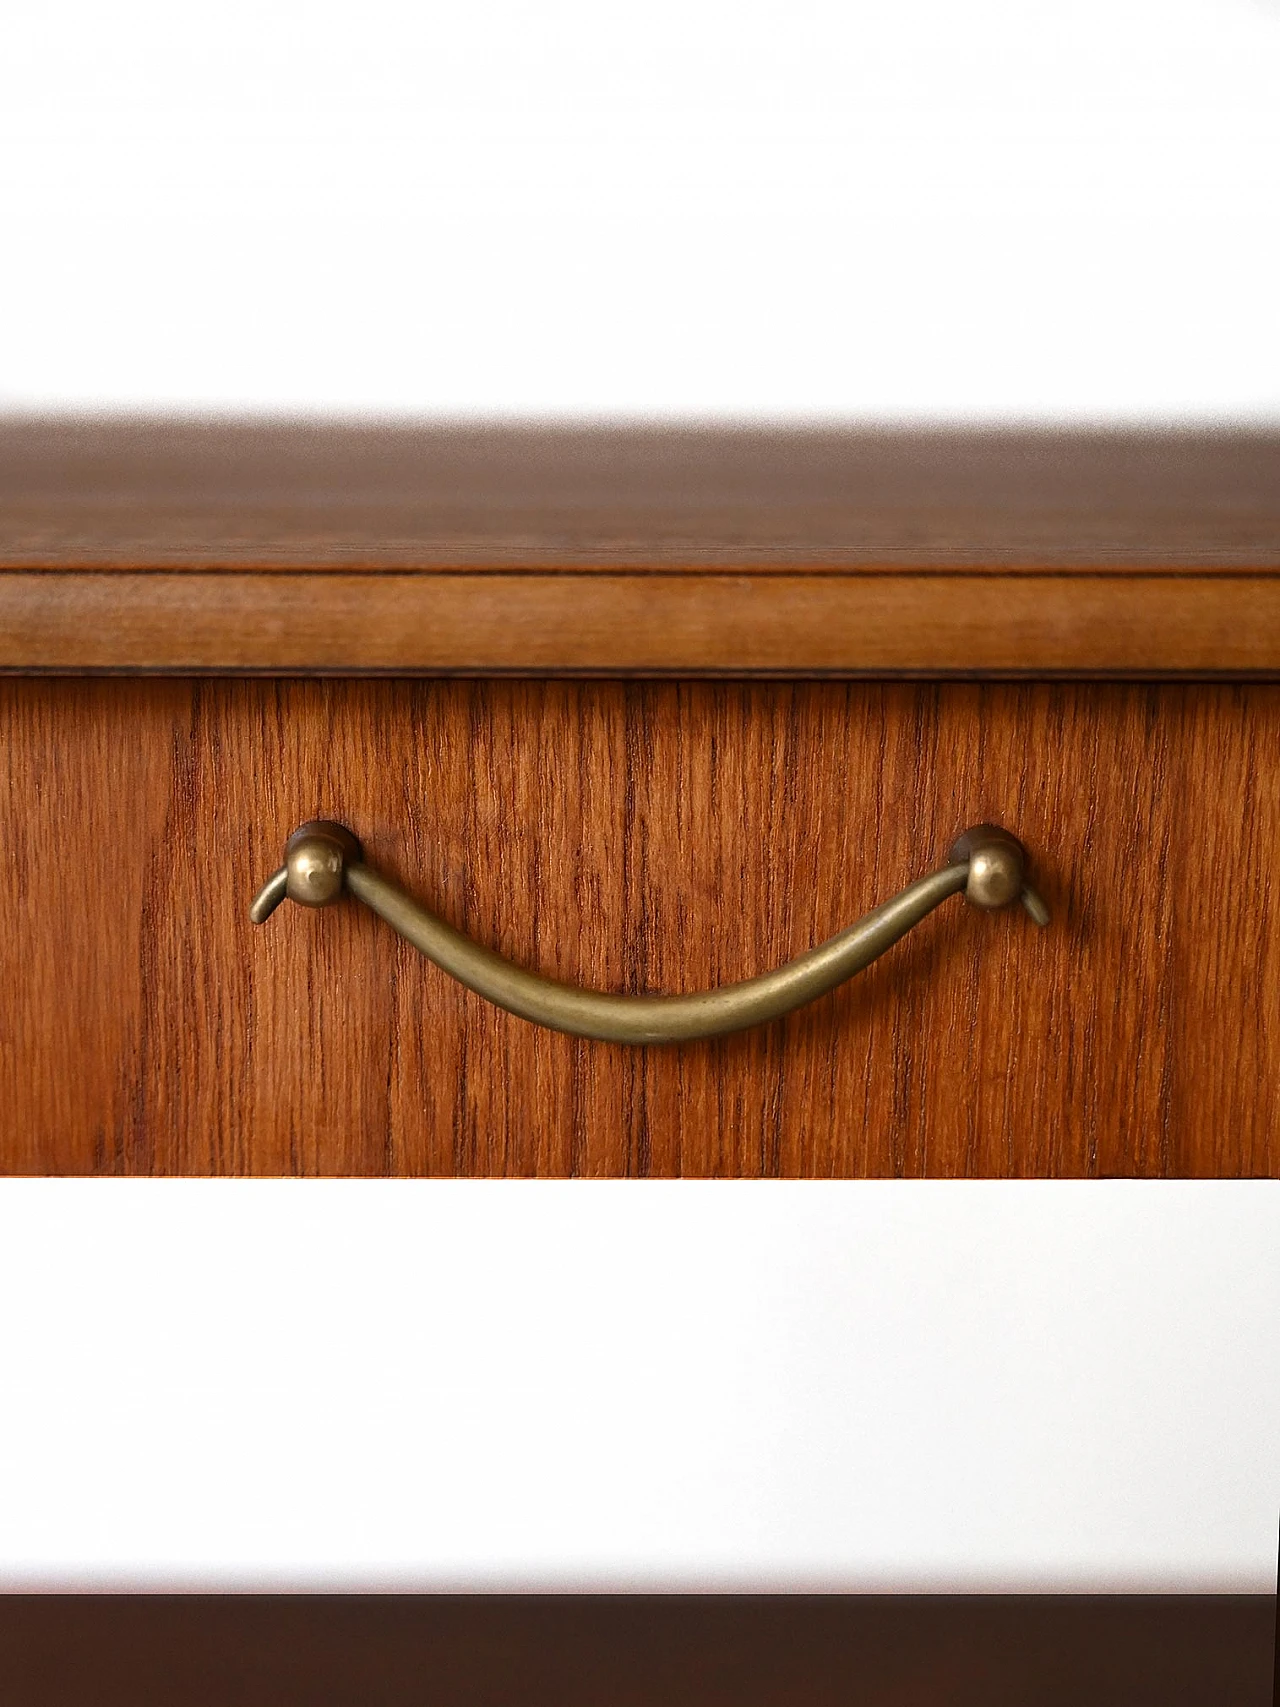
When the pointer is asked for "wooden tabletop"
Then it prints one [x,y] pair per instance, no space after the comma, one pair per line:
[298,547]
[183,495]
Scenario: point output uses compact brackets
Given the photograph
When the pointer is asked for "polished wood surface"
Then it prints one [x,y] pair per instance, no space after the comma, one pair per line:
[989,1650]
[133,494]
[573,623]
[305,548]
[639,836]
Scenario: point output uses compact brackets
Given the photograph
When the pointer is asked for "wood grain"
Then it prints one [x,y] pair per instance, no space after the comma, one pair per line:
[571,1650]
[639,836]
[183,495]
[562,623]
[135,546]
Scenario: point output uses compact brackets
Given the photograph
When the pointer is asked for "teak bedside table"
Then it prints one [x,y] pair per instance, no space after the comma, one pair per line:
[643,711]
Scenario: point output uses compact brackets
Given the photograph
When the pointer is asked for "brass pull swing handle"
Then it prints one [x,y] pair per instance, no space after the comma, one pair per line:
[321,859]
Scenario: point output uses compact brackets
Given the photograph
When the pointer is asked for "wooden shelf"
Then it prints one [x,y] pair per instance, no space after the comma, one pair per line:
[197,1650]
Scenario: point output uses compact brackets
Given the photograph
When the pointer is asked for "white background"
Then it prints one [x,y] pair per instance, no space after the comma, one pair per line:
[570,1385]
[807,207]
[894,210]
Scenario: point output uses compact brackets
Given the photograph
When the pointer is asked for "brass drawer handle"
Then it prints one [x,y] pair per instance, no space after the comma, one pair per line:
[321,859]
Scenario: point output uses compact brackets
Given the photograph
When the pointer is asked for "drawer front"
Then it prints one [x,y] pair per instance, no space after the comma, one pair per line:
[639,836]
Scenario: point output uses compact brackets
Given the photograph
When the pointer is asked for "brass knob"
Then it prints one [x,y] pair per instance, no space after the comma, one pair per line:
[997,865]
[316,857]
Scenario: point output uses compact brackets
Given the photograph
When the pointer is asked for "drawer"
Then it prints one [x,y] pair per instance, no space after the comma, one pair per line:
[635,836]
[640,711]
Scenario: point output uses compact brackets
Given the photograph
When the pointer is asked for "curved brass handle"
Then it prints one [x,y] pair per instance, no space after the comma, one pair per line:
[321,859]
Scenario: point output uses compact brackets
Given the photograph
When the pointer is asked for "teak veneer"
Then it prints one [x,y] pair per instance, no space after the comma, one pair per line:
[305,548]
[638,834]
